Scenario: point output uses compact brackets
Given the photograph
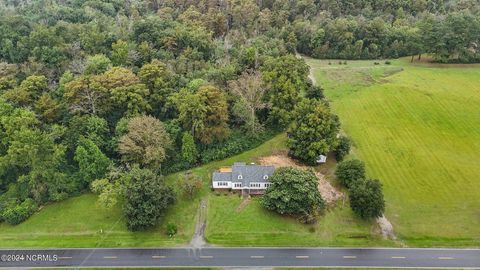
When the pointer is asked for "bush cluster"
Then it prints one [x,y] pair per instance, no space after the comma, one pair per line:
[236,144]
[366,195]
[18,213]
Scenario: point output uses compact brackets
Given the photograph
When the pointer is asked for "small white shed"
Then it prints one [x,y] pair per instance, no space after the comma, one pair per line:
[321,159]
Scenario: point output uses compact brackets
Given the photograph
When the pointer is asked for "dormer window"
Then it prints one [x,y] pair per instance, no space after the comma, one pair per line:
[240,177]
[265,177]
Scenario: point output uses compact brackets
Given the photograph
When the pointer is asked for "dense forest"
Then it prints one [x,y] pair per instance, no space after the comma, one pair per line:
[95,93]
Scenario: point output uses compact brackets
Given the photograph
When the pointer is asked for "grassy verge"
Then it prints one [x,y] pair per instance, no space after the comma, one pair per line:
[418,132]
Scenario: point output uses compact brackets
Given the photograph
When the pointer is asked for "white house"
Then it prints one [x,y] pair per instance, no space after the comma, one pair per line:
[250,179]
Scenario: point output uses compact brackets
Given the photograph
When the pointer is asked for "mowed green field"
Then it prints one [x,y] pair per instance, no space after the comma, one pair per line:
[417,127]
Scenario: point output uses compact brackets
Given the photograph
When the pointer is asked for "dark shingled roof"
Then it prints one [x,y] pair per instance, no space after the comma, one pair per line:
[222,176]
[248,173]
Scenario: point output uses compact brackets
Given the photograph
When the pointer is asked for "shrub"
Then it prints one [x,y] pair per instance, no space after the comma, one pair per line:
[376,63]
[343,148]
[17,214]
[189,149]
[237,143]
[350,171]
[190,184]
[171,229]
[388,62]
[366,199]
[344,62]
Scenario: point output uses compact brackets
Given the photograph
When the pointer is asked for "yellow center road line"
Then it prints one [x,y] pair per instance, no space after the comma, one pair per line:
[445,258]
[206,257]
[158,257]
[110,257]
[398,257]
[349,257]
[257,257]
[64,258]
[302,257]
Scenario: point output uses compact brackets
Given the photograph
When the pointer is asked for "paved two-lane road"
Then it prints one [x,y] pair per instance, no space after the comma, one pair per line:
[243,257]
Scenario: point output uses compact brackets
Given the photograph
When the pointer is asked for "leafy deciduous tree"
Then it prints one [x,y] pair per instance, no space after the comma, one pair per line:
[350,171]
[146,199]
[293,192]
[146,142]
[313,131]
[366,199]
[92,163]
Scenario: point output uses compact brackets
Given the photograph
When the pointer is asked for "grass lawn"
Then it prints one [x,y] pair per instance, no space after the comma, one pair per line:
[255,226]
[80,222]
[417,127]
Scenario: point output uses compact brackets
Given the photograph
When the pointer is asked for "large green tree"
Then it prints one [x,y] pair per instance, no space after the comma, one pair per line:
[350,171]
[146,142]
[92,163]
[313,130]
[286,78]
[366,199]
[146,199]
[204,113]
[293,192]
[28,92]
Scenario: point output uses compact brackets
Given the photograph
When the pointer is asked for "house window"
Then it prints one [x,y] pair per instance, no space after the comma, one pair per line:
[265,177]
[240,177]
[238,184]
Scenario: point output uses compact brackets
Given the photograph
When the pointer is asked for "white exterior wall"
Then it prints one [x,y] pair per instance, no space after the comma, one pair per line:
[217,184]
[261,185]
[231,185]
[239,187]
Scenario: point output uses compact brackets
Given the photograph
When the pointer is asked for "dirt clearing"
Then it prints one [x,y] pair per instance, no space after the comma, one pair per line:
[386,228]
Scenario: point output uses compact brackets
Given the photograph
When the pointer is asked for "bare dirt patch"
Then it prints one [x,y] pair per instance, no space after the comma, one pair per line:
[329,193]
[280,160]
[386,228]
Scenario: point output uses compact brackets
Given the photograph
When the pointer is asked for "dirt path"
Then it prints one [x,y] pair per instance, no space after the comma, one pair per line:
[198,239]
[243,204]
[312,77]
